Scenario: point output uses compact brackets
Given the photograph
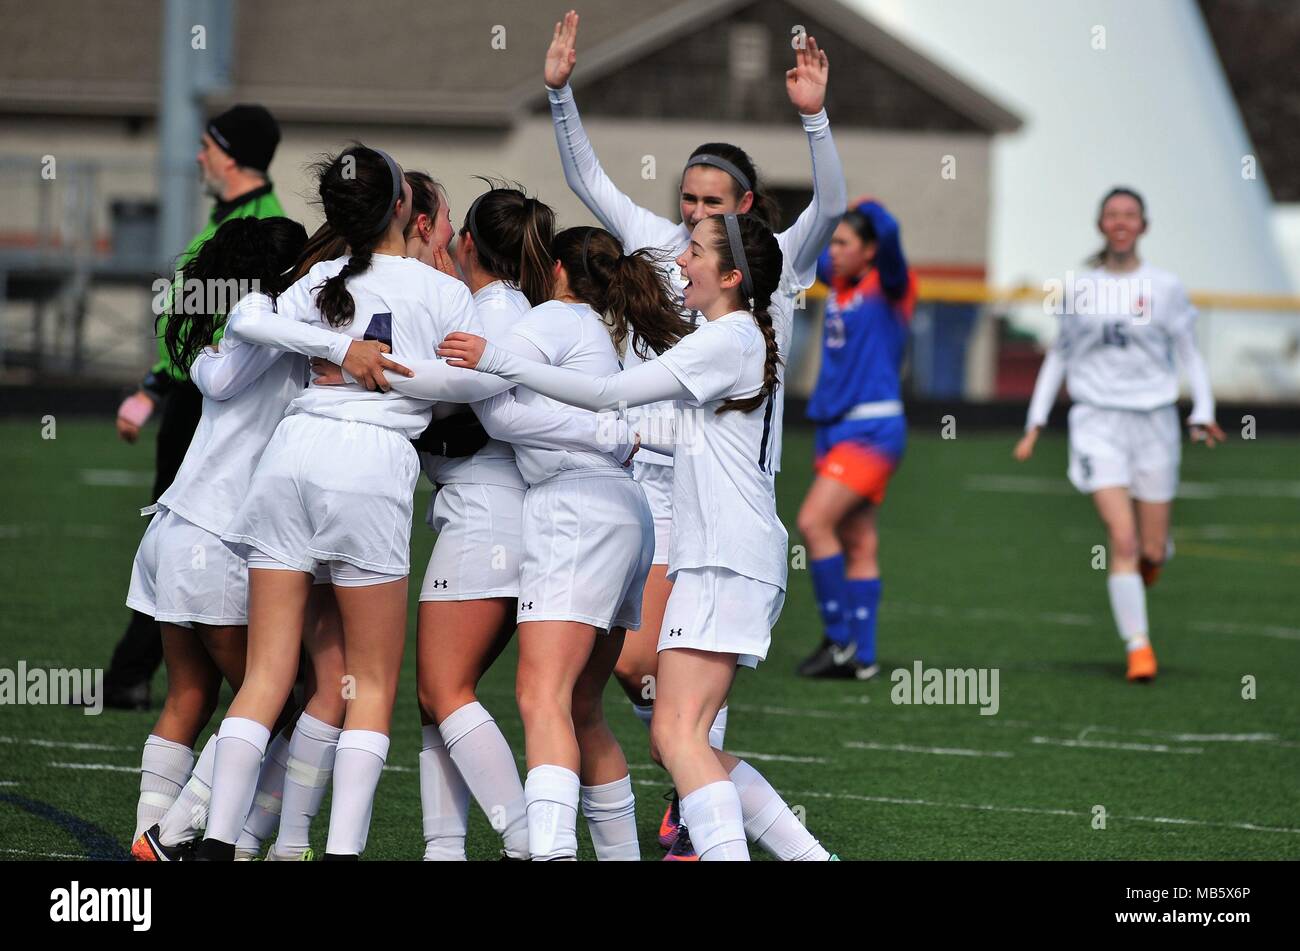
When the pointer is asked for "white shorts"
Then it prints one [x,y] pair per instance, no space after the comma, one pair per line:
[717,610]
[337,573]
[588,540]
[330,490]
[1139,450]
[479,543]
[657,481]
[184,575]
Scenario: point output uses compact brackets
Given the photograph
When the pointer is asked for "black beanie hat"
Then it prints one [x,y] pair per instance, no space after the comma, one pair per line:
[248,134]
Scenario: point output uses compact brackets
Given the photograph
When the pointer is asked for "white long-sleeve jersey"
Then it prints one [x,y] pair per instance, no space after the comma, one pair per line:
[246,389]
[638,228]
[1116,345]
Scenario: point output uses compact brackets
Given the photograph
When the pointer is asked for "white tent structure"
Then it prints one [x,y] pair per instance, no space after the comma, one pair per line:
[1115,92]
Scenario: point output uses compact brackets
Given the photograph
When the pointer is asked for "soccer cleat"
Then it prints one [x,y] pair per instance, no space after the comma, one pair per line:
[682,850]
[833,858]
[827,660]
[116,697]
[214,850]
[863,671]
[306,855]
[1142,664]
[247,855]
[149,848]
[672,820]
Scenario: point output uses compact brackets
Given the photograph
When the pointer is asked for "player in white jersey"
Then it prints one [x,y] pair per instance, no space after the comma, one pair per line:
[334,486]
[718,178]
[587,543]
[729,548]
[183,572]
[1121,325]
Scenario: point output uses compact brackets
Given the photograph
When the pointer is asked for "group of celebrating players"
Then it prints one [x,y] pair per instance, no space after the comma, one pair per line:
[600,410]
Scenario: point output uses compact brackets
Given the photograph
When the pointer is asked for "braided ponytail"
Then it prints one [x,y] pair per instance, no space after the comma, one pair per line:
[357,193]
[763,259]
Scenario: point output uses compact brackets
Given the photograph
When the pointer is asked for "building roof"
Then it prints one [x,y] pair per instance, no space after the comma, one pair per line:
[449,64]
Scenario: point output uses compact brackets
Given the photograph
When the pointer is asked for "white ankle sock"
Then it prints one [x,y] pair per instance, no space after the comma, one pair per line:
[1128,603]
[164,768]
[358,765]
[769,821]
[482,755]
[264,817]
[718,732]
[240,745]
[611,818]
[552,793]
[717,828]
[444,800]
[306,777]
[188,816]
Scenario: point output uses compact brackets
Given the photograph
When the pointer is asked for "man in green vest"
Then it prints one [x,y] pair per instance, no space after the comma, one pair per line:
[236,152]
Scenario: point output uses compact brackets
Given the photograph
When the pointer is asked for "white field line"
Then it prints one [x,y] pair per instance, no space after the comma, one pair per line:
[68,745]
[102,767]
[936,750]
[1108,745]
[1019,810]
[42,855]
[777,757]
[1227,488]
[130,478]
[1078,620]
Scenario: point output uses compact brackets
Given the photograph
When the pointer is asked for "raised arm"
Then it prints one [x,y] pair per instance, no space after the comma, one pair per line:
[229,370]
[804,240]
[890,262]
[618,214]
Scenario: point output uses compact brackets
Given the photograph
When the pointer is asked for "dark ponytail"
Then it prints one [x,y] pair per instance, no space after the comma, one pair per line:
[763,259]
[1099,259]
[324,245]
[356,192]
[244,256]
[630,291]
[512,236]
[765,207]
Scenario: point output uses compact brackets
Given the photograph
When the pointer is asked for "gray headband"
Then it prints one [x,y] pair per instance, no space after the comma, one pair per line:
[396,173]
[717,161]
[738,255]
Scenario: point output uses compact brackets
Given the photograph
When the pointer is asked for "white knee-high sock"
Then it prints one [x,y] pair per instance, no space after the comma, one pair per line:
[164,768]
[240,745]
[1128,602]
[718,732]
[611,818]
[188,816]
[644,713]
[769,821]
[552,793]
[444,800]
[481,753]
[716,822]
[307,776]
[358,765]
[264,818]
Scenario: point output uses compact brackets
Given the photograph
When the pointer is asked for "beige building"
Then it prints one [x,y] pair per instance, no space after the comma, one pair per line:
[456,89]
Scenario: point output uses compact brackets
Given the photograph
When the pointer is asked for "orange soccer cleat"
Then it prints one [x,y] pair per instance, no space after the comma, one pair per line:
[1142,664]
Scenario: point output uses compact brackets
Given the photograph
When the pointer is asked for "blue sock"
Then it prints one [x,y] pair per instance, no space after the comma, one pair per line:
[863,601]
[828,587]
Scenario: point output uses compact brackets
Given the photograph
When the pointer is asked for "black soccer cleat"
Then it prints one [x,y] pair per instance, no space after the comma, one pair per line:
[214,850]
[829,660]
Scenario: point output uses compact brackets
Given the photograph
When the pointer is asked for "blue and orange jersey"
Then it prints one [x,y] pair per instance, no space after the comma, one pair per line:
[866,327]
